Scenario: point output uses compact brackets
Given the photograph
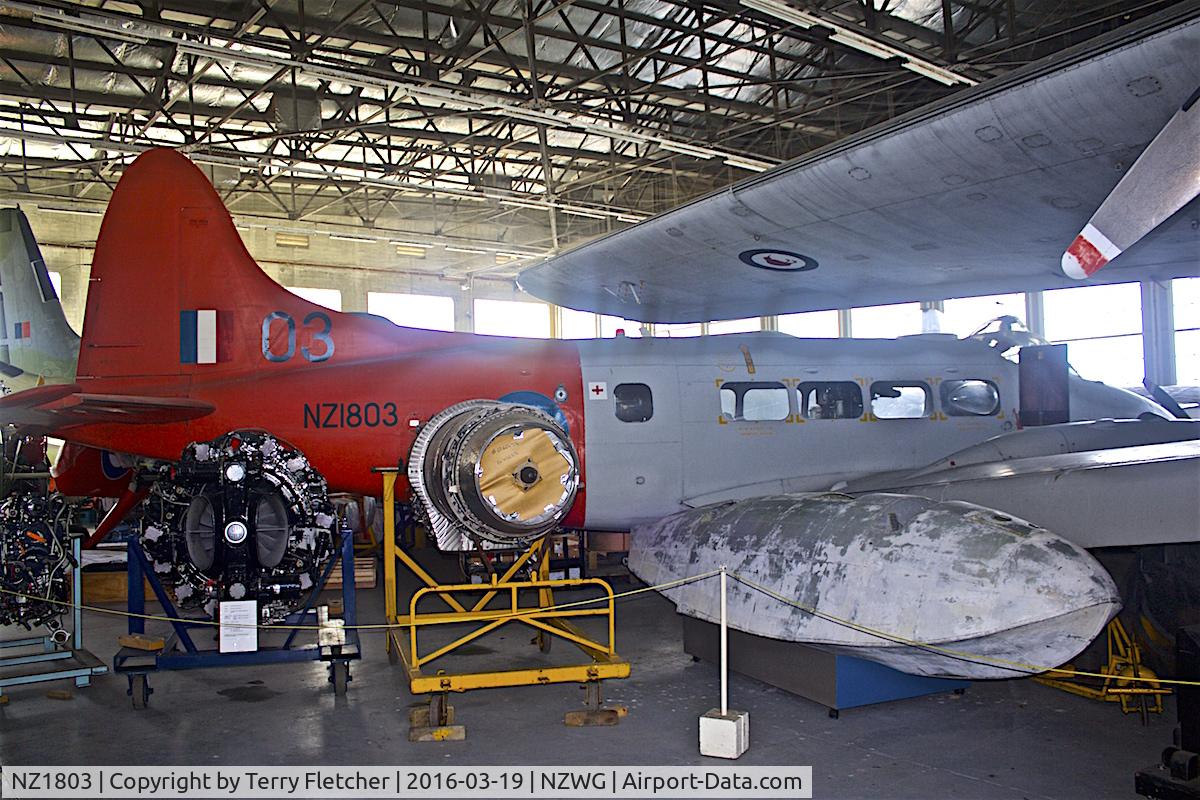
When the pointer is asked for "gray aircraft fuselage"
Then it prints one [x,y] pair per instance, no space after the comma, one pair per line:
[731,417]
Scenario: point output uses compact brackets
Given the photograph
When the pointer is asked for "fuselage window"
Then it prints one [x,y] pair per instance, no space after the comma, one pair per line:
[899,400]
[973,397]
[755,402]
[831,400]
[635,403]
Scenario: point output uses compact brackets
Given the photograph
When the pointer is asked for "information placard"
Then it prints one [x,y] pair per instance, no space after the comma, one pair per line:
[239,619]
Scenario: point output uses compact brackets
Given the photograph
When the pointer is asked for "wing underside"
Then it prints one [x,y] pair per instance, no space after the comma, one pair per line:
[980,194]
[57,409]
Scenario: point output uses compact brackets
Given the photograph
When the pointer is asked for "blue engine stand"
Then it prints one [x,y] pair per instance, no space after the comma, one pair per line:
[62,662]
[137,664]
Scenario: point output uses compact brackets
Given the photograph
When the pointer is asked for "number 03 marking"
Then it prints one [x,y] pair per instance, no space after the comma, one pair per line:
[323,335]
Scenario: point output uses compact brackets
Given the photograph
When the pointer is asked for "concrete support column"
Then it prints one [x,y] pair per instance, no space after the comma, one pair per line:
[354,290]
[1035,314]
[931,315]
[1158,332]
[845,329]
[464,312]
[74,291]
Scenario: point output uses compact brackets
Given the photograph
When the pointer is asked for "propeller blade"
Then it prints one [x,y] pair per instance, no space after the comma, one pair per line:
[1165,177]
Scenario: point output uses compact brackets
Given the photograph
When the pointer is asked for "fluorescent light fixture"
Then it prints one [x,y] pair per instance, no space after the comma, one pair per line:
[863,44]
[748,163]
[581,212]
[629,218]
[291,240]
[686,149]
[535,204]
[847,35]
[470,250]
[936,73]
[69,210]
[783,11]
[338,237]
[410,252]
[400,243]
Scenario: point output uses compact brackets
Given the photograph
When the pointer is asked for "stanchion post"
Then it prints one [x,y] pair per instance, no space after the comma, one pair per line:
[724,644]
[389,547]
[724,733]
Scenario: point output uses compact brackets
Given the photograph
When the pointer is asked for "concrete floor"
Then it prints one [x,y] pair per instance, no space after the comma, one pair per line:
[1003,739]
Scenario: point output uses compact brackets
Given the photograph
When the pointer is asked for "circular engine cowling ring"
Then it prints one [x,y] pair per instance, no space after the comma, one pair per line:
[498,472]
[244,516]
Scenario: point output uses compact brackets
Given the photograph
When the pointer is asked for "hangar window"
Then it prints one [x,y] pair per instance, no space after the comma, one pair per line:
[899,399]
[970,398]
[755,402]
[830,400]
[635,403]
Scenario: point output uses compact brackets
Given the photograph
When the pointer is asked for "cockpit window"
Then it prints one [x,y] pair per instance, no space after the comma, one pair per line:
[900,399]
[973,397]
[830,400]
[635,402]
[755,401]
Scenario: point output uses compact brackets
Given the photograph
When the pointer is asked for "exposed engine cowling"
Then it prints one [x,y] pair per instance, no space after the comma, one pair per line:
[486,472]
[35,560]
[244,517]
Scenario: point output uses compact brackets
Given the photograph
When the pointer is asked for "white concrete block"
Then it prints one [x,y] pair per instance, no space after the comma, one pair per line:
[724,735]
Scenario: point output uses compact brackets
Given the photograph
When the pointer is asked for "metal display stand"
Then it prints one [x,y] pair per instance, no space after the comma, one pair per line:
[137,664]
[547,620]
[54,661]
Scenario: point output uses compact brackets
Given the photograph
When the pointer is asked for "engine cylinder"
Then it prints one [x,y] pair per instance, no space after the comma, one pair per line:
[493,472]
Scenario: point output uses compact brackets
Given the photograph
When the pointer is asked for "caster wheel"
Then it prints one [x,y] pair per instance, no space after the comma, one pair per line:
[339,676]
[139,691]
[834,713]
[960,690]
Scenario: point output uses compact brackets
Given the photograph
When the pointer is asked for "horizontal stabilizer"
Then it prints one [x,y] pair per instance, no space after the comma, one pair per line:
[56,408]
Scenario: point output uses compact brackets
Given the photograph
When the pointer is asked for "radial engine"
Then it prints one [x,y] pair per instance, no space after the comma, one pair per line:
[492,474]
[243,517]
[35,560]
[35,551]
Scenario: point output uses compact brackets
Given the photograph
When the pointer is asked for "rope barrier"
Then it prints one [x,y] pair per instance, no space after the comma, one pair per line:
[957,655]
[112,612]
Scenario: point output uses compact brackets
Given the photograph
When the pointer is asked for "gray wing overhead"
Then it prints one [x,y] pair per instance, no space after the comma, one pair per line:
[979,194]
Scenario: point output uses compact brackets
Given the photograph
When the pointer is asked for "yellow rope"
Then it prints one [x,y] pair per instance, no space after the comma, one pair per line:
[371,627]
[1032,669]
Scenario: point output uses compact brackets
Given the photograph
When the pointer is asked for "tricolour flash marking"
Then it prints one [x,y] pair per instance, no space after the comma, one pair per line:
[198,336]
[1090,251]
[206,336]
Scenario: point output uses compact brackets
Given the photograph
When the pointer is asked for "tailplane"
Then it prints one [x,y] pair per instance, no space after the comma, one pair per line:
[36,343]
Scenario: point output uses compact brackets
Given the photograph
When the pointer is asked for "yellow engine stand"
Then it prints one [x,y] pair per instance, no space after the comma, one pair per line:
[1124,662]
[545,618]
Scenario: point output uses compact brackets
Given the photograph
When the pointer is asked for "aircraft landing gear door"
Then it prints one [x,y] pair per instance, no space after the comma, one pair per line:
[632,451]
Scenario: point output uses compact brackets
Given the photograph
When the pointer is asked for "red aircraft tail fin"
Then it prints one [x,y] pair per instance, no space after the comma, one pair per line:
[175,297]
